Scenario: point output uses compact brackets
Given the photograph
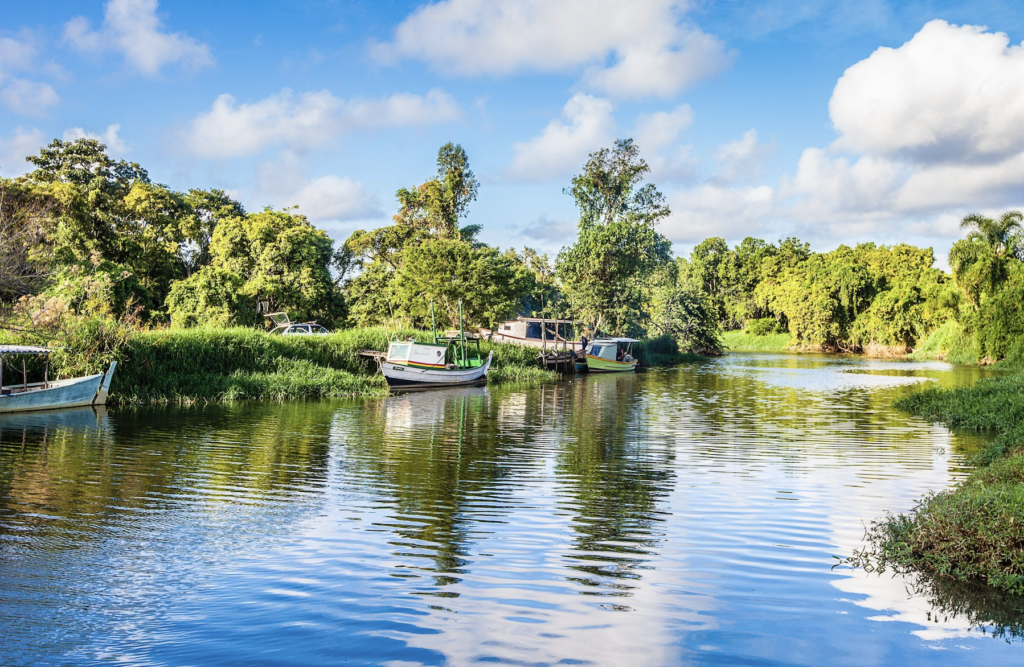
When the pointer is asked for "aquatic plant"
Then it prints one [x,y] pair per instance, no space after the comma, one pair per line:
[974,531]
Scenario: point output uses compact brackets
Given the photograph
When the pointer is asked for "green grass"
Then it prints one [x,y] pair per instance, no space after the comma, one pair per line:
[974,531]
[741,341]
[949,342]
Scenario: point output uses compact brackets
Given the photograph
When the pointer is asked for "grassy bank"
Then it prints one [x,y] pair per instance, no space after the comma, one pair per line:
[741,341]
[974,531]
[190,365]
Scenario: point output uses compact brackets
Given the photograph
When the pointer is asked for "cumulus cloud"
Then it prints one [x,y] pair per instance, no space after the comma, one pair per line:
[933,125]
[14,150]
[634,49]
[713,210]
[132,28]
[951,93]
[334,198]
[549,231]
[310,120]
[741,160]
[29,98]
[110,137]
[657,135]
[563,145]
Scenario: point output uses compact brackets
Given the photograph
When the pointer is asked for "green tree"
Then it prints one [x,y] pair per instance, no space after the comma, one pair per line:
[605,272]
[211,297]
[684,312]
[981,261]
[489,284]
[283,261]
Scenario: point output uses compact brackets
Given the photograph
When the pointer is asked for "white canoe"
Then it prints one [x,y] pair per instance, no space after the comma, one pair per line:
[401,376]
[73,393]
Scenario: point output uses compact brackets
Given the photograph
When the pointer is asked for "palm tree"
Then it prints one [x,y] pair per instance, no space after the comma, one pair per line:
[1004,235]
[978,261]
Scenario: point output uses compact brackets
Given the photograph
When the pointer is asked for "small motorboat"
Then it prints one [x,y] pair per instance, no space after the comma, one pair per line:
[611,355]
[47,395]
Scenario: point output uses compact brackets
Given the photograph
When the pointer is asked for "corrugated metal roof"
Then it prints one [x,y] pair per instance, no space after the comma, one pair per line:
[24,349]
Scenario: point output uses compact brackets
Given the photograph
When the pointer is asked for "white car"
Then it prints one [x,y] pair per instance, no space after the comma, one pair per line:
[309,329]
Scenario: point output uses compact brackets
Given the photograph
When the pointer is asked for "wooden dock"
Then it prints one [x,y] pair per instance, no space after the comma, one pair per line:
[560,362]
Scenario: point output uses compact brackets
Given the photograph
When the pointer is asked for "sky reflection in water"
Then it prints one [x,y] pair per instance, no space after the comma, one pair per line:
[677,516]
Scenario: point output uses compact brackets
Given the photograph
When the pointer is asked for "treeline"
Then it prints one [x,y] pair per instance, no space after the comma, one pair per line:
[86,241]
[91,244]
[874,298]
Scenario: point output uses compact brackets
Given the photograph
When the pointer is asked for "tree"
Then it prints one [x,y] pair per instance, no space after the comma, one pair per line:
[23,217]
[981,261]
[605,272]
[207,208]
[684,312]
[211,297]
[445,271]
[283,262]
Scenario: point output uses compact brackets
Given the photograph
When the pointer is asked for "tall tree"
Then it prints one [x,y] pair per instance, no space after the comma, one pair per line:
[980,261]
[604,273]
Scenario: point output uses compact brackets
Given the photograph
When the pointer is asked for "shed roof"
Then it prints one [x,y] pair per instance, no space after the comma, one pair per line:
[614,340]
[24,349]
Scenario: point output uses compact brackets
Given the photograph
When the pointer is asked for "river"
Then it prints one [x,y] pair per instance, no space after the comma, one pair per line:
[678,516]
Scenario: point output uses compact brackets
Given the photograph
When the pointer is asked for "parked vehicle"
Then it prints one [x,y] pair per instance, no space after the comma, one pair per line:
[284,326]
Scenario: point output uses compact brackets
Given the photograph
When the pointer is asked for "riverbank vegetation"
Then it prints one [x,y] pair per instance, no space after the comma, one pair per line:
[97,256]
[974,531]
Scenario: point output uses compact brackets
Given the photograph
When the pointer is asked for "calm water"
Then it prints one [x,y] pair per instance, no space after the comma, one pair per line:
[680,516]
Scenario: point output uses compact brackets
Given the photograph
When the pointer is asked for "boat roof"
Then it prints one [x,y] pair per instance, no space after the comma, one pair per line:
[24,349]
[541,319]
[614,340]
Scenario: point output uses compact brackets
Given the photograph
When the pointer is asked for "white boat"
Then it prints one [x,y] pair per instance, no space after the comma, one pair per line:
[413,365]
[611,355]
[46,395]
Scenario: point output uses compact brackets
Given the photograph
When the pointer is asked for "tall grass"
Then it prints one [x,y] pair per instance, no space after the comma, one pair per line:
[741,341]
[662,351]
[951,343]
[974,531]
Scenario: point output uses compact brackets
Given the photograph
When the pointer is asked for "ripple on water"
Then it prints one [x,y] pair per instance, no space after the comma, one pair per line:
[672,516]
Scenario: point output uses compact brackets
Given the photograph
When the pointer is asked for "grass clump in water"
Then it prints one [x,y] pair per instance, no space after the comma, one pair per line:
[974,531]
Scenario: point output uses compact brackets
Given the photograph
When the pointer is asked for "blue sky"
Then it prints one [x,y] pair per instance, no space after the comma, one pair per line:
[834,121]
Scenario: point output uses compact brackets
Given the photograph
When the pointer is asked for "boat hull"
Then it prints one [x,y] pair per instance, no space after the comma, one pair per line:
[405,377]
[599,365]
[74,393]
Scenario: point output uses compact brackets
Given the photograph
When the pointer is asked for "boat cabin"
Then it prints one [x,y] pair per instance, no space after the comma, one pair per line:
[448,352]
[538,332]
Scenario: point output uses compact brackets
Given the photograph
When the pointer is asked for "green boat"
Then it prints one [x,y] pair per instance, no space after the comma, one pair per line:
[611,355]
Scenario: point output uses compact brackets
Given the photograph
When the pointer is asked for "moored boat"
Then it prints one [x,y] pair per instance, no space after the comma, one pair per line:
[47,395]
[611,355]
[447,362]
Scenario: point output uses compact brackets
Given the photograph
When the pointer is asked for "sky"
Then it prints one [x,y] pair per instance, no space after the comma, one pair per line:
[834,121]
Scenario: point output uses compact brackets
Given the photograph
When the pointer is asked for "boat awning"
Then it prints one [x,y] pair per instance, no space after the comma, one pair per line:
[24,349]
[541,319]
[614,340]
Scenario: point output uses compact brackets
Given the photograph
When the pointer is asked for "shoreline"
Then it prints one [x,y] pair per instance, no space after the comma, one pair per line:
[973,531]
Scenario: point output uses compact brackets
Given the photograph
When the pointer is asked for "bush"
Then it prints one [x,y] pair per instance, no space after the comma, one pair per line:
[764,327]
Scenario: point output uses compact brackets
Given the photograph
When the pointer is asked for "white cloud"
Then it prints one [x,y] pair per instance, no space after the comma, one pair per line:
[951,93]
[14,150]
[133,28]
[314,119]
[625,49]
[712,210]
[659,132]
[110,137]
[936,126]
[741,160]
[333,198]
[564,144]
[29,98]
[16,54]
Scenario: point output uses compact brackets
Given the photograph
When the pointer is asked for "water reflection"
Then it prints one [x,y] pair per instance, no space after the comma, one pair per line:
[684,515]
